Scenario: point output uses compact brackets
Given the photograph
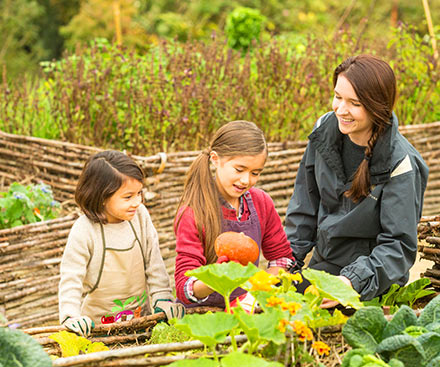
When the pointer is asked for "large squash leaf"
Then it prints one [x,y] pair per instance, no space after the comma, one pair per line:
[21,350]
[403,318]
[365,328]
[210,328]
[245,360]
[261,326]
[225,277]
[332,287]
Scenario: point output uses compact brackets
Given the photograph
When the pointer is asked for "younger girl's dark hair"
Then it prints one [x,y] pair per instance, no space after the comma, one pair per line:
[236,138]
[374,82]
[103,174]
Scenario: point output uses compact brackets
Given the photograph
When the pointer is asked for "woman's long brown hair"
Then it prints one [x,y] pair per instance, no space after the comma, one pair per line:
[374,82]
[200,193]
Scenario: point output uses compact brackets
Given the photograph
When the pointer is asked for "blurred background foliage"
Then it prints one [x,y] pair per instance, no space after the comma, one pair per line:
[163,75]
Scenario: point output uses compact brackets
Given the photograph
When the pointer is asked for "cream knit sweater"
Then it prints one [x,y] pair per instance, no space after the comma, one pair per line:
[82,257]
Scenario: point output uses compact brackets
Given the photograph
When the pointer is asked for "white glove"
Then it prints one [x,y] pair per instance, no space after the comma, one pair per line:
[81,325]
[170,308]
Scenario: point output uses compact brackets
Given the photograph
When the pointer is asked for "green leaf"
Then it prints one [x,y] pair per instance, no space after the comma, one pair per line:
[388,299]
[20,349]
[404,348]
[434,363]
[200,362]
[210,328]
[96,347]
[403,318]
[224,278]
[332,287]
[70,343]
[431,312]
[431,344]
[365,328]
[413,291]
[235,359]
[262,326]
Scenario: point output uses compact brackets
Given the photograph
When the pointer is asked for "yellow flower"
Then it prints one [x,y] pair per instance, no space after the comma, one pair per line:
[282,325]
[273,301]
[296,277]
[262,281]
[304,333]
[321,348]
[312,289]
[292,307]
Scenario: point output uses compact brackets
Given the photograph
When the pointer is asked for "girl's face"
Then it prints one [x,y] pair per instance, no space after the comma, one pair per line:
[122,205]
[352,117]
[236,175]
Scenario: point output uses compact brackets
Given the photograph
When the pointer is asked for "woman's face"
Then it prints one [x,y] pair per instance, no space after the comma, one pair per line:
[353,118]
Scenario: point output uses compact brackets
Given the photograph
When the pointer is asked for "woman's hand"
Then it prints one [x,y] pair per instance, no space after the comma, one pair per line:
[329,303]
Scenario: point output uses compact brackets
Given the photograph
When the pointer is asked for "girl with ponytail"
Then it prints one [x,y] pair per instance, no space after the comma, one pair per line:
[359,189]
[225,200]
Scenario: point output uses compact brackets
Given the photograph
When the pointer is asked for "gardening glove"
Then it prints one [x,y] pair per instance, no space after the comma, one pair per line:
[170,308]
[81,325]
[247,302]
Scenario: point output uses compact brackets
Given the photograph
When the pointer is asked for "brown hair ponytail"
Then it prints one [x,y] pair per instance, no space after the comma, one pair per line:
[200,193]
[374,83]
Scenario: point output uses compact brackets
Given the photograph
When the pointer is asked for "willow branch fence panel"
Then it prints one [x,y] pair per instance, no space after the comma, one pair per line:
[30,255]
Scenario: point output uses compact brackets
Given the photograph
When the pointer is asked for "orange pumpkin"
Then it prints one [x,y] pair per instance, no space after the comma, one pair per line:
[237,247]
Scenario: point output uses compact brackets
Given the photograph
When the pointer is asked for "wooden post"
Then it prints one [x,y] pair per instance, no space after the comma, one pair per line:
[394,13]
[117,16]
[430,27]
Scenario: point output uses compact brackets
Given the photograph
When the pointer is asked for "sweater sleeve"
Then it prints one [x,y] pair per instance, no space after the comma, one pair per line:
[302,211]
[156,274]
[189,249]
[73,269]
[274,242]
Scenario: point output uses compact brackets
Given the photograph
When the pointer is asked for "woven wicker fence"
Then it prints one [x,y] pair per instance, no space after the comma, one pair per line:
[429,247]
[30,255]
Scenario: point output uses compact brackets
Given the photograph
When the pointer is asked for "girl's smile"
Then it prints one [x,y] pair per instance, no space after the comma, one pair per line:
[235,175]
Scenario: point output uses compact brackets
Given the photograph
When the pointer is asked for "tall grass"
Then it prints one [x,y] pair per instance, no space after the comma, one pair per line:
[176,95]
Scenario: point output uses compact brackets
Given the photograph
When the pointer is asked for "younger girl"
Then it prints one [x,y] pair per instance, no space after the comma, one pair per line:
[112,253]
[227,202]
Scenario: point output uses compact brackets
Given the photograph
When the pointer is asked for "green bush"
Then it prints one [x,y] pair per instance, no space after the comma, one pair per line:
[27,204]
[243,26]
[174,96]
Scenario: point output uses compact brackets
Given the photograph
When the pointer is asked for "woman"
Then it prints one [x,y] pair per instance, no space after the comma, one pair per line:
[359,189]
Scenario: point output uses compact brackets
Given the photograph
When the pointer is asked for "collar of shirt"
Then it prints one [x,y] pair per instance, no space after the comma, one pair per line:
[229,211]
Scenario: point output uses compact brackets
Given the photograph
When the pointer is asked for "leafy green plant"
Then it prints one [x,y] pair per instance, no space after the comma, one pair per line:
[411,340]
[244,25]
[407,295]
[163,333]
[73,345]
[285,312]
[20,349]
[120,306]
[27,204]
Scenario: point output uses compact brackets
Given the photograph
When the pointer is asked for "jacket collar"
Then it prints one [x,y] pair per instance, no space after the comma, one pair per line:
[327,140]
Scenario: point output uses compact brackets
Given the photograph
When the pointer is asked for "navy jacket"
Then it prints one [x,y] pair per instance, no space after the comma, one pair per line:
[374,241]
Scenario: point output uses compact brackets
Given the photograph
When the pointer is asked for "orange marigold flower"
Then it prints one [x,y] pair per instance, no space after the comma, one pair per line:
[292,307]
[262,281]
[273,301]
[321,348]
[282,325]
[304,333]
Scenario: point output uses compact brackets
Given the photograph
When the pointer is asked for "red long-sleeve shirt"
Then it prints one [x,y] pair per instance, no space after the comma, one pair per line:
[190,250]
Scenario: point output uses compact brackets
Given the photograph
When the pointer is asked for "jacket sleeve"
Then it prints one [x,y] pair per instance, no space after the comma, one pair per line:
[396,249]
[302,211]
